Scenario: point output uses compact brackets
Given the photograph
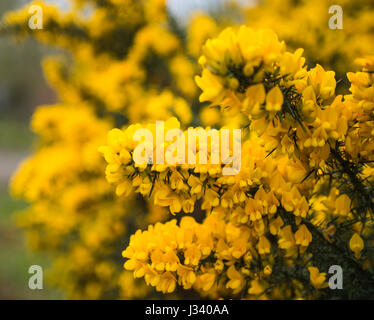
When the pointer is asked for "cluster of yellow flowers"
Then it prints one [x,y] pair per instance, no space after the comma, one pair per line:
[215,258]
[305,24]
[301,201]
[287,104]
[74,213]
[296,126]
[360,106]
[110,74]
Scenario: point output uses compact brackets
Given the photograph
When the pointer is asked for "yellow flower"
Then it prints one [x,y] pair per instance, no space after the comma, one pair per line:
[236,59]
[236,281]
[207,280]
[186,276]
[255,97]
[322,81]
[317,279]
[211,86]
[367,62]
[263,245]
[195,184]
[192,255]
[274,100]
[302,236]
[256,288]
[211,199]
[268,270]
[165,198]
[286,239]
[276,225]
[356,244]
[167,283]
[343,205]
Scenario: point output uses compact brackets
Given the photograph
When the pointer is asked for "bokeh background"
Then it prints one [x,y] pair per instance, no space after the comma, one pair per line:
[22,89]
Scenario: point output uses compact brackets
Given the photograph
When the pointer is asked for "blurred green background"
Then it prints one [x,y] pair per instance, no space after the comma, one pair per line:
[22,88]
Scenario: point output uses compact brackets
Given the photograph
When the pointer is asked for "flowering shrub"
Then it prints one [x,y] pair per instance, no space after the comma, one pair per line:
[304,24]
[301,201]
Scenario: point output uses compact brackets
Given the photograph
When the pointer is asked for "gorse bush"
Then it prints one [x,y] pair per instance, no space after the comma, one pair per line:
[304,24]
[301,201]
